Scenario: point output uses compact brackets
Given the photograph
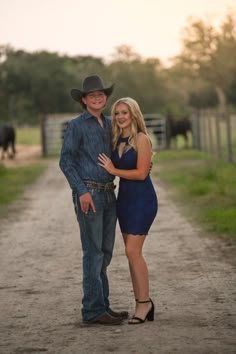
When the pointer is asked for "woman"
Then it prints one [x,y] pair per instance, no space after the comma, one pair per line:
[136,201]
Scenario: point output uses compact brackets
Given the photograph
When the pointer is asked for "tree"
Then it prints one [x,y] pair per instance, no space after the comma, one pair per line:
[125,53]
[40,82]
[211,53]
[138,78]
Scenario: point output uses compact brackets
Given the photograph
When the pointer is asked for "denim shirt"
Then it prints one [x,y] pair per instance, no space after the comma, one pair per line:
[84,139]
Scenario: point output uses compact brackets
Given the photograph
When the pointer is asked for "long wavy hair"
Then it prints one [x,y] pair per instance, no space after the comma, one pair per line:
[137,123]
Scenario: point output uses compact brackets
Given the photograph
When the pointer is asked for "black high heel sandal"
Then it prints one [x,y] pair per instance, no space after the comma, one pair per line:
[149,316]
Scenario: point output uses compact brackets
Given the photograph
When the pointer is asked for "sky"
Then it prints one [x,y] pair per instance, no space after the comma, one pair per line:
[96,27]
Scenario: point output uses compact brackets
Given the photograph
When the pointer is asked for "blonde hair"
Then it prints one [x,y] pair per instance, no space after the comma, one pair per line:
[137,123]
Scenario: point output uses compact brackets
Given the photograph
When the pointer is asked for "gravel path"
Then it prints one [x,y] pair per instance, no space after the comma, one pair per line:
[192,283]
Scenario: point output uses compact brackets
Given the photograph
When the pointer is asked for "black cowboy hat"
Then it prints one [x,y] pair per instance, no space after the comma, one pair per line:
[90,84]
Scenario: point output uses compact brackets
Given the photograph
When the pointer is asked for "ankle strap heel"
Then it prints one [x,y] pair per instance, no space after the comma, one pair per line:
[149,315]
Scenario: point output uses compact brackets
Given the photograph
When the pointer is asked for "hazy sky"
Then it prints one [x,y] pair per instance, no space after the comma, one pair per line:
[96,27]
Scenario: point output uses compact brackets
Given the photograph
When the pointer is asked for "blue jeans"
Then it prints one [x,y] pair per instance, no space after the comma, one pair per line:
[97,233]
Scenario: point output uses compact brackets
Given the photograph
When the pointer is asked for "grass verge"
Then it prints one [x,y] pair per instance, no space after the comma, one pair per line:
[14,180]
[204,186]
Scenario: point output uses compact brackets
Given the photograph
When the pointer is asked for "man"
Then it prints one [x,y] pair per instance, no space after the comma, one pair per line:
[93,196]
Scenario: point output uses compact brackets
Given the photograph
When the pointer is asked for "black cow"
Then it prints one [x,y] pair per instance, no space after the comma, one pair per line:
[7,139]
[175,127]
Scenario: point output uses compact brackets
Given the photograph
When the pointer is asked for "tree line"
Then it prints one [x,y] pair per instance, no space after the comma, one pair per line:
[202,75]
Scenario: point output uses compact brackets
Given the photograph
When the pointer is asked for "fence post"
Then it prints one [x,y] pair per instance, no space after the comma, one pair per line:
[43,134]
[195,122]
[218,136]
[204,130]
[210,136]
[229,139]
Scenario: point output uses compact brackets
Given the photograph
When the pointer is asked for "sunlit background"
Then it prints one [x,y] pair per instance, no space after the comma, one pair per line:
[75,27]
[174,57]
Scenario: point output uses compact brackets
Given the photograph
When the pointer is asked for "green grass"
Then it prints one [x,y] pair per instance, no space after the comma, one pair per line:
[28,135]
[206,187]
[13,181]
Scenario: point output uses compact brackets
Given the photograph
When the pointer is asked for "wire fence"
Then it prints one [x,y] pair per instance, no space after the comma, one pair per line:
[215,133]
[53,127]
[212,132]
[52,131]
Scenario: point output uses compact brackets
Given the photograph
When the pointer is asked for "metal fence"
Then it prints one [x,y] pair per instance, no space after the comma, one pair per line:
[212,132]
[156,126]
[215,133]
[53,127]
[52,131]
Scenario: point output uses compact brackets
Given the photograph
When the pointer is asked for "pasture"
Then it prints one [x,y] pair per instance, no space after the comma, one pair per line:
[204,187]
[28,135]
[15,179]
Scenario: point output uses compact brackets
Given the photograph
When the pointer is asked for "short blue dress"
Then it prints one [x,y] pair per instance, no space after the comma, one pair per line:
[137,202]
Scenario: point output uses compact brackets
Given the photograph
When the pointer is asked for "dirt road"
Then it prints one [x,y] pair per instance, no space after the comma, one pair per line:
[25,155]
[192,283]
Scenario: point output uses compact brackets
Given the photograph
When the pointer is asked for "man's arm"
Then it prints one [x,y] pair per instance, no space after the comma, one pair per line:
[67,159]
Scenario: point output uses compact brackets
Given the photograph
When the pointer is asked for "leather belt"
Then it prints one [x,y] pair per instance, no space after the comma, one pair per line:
[106,187]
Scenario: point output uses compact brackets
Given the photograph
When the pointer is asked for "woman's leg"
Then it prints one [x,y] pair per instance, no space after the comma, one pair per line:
[135,290]
[139,273]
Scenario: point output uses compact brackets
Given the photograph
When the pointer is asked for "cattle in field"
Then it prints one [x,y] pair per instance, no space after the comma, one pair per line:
[7,141]
[175,127]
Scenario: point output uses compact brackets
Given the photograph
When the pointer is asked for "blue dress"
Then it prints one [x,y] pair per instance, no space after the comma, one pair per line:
[137,203]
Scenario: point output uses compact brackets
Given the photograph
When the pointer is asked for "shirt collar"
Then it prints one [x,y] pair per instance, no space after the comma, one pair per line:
[88,115]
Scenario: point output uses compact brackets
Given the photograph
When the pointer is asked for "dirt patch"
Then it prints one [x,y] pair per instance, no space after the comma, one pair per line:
[191,283]
[25,155]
